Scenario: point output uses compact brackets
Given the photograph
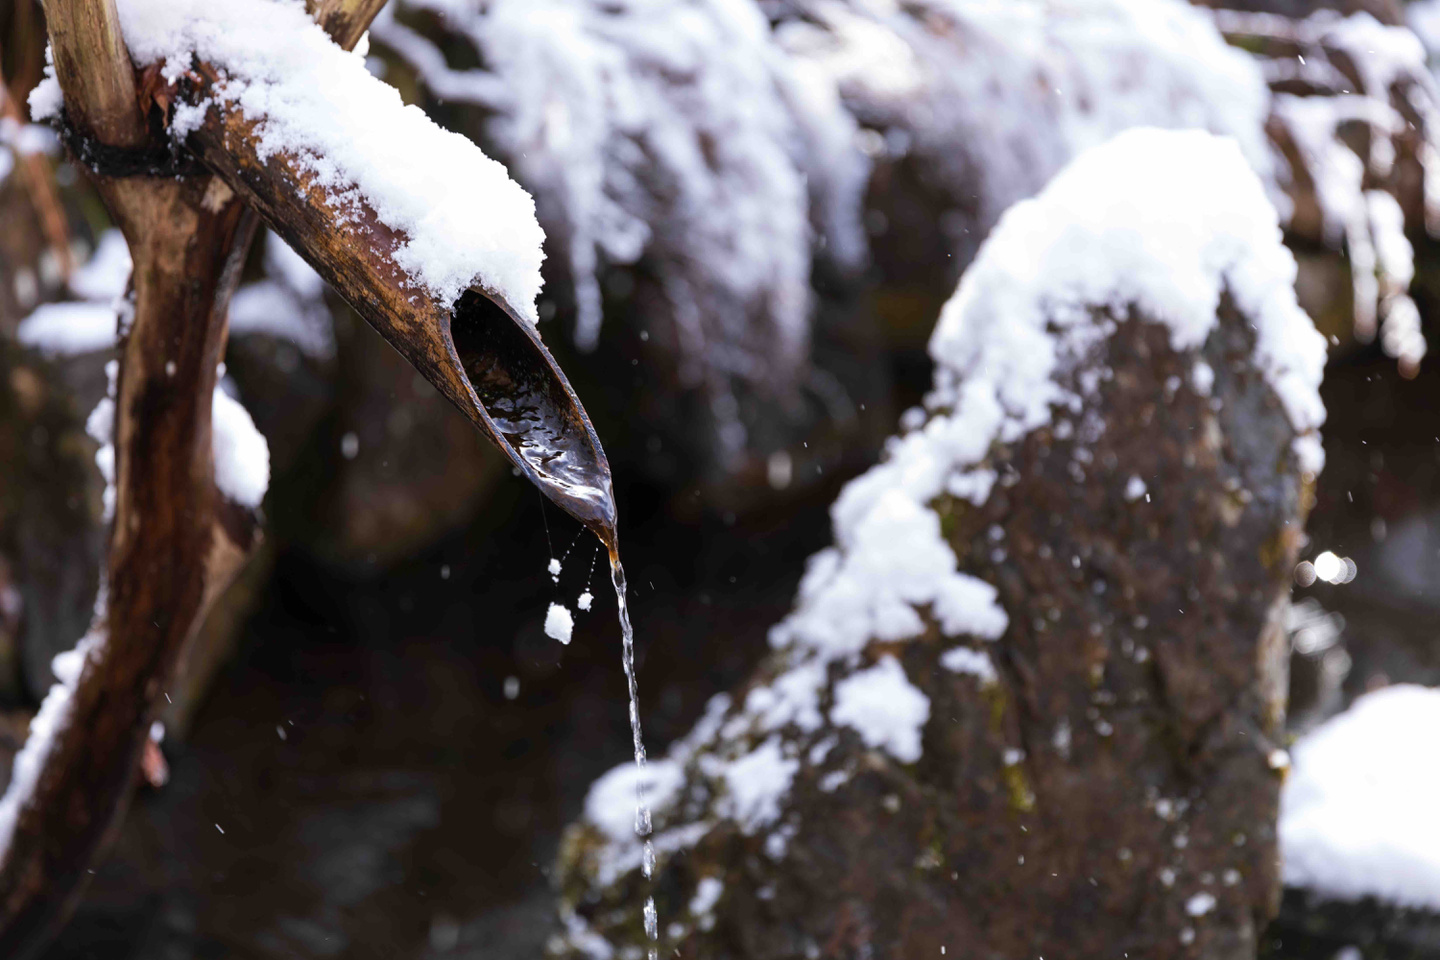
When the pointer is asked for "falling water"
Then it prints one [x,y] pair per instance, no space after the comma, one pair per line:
[642,806]
[527,407]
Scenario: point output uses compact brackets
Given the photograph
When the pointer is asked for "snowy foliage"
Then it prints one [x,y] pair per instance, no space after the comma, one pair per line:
[673,128]
[720,150]
[992,98]
[1357,814]
[465,221]
[1163,221]
[1332,76]
[676,137]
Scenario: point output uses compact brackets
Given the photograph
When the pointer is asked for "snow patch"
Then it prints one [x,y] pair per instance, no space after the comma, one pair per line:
[288,305]
[1357,812]
[971,662]
[105,275]
[884,707]
[242,457]
[69,329]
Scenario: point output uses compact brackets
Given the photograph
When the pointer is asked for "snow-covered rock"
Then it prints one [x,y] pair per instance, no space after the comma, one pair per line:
[1357,815]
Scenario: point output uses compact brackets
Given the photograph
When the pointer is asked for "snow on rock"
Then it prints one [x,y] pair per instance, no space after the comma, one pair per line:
[1357,813]
[756,783]
[242,457]
[465,221]
[972,662]
[996,97]
[890,559]
[1162,221]
[610,803]
[884,707]
[559,622]
[610,809]
[1114,228]
[670,129]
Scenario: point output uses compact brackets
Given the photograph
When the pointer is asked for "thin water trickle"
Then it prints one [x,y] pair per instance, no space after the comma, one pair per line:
[643,824]
[527,407]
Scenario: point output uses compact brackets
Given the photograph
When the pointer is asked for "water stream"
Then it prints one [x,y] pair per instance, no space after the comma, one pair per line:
[529,410]
[643,825]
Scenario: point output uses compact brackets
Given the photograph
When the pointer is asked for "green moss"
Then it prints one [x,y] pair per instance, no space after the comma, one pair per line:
[1017,785]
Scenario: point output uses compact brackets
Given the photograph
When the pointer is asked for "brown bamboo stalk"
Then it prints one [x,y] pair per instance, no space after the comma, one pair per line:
[94,70]
[477,352]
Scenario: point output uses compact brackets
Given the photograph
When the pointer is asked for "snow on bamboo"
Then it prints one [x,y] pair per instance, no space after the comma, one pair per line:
[465,221]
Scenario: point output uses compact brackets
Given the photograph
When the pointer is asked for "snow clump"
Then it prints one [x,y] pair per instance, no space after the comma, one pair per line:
[1357,813]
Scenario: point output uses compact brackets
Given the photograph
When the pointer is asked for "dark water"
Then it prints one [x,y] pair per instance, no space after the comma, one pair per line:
[411,809]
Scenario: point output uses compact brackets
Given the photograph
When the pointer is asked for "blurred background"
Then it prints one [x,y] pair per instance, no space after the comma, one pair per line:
[755,211]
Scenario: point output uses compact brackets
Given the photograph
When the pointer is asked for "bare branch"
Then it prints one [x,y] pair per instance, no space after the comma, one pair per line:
[94,70]
[345,20]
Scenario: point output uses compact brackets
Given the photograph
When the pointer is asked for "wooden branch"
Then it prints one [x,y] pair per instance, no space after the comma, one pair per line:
[176,543]
[172,548]
[94,70]
[477,352]
[345,20]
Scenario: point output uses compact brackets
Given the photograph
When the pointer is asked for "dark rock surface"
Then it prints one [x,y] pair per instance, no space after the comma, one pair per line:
[1119,768]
